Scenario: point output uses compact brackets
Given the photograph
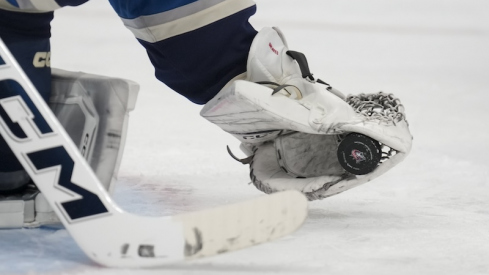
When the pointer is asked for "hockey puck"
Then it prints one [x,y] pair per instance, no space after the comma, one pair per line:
[359,154]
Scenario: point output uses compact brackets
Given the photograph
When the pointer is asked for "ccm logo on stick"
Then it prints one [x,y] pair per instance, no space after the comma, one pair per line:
[24,124]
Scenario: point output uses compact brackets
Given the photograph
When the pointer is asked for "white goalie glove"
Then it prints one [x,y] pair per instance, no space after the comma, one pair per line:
[291,125]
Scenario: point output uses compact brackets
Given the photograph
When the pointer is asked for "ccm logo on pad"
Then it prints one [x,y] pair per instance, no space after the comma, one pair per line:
[42,59]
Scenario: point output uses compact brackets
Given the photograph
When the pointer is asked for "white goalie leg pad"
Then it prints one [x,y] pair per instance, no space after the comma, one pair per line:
[279,97]
[94,110]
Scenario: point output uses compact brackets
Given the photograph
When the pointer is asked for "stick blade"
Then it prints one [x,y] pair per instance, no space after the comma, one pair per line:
[127,240]
[236,226]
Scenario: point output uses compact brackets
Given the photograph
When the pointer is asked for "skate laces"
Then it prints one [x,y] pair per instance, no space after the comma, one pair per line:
[382,107]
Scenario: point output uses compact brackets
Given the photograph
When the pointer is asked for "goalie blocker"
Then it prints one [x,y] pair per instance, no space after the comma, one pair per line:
[291,124]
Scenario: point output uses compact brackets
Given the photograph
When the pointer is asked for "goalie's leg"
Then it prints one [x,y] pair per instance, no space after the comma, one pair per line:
[27,37]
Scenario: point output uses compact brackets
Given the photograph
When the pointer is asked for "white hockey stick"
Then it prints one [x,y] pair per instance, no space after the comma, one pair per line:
[105,233]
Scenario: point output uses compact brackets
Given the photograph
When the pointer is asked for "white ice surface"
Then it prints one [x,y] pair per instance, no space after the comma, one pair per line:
[429,215]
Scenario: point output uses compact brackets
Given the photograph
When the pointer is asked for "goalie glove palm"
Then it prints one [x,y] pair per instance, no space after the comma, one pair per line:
[291,123]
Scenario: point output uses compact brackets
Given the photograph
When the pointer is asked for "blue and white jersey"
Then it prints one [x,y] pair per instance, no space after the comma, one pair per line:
[196,46]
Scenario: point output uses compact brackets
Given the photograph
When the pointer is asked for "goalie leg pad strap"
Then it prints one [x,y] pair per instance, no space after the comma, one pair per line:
[11,213]
[26,208]
[13,180]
